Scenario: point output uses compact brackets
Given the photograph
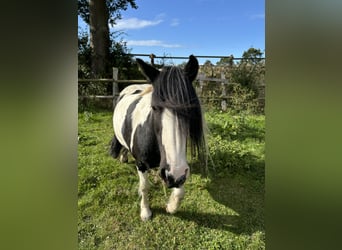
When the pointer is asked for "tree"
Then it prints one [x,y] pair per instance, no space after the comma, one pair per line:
[84,53]
[119,57]
[229,61]
[98,14]
[249,70]
[208,68]
[252,55]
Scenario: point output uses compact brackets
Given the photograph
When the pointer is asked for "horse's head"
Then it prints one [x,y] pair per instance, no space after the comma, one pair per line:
[177,117]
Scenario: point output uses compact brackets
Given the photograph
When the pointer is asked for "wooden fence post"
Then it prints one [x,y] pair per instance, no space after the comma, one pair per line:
[224,92]
[115,85]
[199,89]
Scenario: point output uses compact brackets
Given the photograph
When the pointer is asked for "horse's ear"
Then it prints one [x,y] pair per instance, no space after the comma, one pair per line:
[147,70]
[191,68]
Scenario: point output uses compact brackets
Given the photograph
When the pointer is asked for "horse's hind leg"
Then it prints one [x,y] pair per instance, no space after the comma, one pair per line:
[115,147]
[145,211]
[124,156]
[175,199]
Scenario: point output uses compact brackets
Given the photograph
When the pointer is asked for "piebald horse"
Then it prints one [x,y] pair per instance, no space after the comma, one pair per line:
[155,123]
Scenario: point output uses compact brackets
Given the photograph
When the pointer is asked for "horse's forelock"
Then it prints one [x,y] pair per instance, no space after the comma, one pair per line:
[174,91]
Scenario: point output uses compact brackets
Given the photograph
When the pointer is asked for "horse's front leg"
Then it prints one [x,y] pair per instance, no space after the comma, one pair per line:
[175,199]
[145,211]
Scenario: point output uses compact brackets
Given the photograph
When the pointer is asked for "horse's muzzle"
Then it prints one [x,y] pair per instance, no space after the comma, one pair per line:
[170,180]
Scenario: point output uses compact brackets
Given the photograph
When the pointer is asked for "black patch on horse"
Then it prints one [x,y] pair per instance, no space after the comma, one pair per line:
[127,127]
[137,92]
[145,145]
[115,147]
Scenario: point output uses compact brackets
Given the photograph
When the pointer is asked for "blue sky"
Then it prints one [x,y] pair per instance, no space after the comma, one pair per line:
[199,27]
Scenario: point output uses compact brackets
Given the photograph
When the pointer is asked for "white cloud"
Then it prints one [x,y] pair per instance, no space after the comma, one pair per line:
[135,23]
[175,22]
[152,43]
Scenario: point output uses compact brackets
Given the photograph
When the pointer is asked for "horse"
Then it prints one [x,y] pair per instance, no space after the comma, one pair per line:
[156,122]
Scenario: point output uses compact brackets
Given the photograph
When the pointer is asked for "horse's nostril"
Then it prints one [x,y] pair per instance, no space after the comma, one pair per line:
[170,180]
[180,181]
[186,172]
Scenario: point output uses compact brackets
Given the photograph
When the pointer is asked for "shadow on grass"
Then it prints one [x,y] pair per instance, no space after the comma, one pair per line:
[241,190]
[209,220]
[245,195]
[213,221]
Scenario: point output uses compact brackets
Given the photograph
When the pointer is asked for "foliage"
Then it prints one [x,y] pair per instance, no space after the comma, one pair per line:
[98,14]
[84,53]
[224,210]
[246,82]
[226,61]
[236,142]
[248,75]
[84,68]
[249,72]
[119,57]
[244,74]
[208,67]
[114,8]
[242,100]
[252,55]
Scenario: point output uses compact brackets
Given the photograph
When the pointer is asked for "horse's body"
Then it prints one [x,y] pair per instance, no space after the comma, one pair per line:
[154,122]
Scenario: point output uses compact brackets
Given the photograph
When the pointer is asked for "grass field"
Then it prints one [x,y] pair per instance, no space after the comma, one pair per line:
[223,207]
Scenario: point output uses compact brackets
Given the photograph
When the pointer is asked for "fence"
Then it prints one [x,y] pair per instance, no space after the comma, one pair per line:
[115,81]
[165,57]
[213,92]
[220,93]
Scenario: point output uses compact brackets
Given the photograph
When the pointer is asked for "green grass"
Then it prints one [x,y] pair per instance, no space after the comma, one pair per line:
[222,209]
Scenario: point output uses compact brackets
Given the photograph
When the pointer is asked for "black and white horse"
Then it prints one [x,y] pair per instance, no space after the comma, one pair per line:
[155,123]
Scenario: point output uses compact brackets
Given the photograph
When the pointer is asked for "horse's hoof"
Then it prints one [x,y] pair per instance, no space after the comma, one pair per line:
[145,214]
[171,209]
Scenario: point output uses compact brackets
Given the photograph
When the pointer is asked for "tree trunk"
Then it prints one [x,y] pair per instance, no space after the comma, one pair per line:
[99,37]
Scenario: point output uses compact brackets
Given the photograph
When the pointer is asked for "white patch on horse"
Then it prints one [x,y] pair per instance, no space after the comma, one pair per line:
[127,98]
[174,142]
[145,211]
[176,197]
[129,90]
[119,117]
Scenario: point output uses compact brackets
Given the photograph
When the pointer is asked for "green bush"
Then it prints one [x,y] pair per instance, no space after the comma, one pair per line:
[236,142]
[242,99]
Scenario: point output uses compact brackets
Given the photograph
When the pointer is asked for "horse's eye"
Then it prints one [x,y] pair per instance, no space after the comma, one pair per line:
[154,108]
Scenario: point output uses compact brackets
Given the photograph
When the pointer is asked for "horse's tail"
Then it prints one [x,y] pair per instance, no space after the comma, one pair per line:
[115,147]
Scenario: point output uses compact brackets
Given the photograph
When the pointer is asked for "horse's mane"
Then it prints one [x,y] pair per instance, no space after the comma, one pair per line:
[174,91]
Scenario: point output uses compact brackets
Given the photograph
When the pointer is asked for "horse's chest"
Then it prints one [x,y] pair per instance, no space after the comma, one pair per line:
[145,145]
